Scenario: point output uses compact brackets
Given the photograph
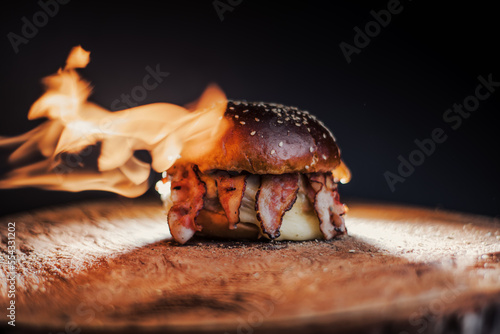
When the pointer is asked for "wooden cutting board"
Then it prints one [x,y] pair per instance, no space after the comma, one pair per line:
[110,266]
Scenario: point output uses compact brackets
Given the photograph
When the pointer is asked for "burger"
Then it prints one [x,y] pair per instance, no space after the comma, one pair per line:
[272,174]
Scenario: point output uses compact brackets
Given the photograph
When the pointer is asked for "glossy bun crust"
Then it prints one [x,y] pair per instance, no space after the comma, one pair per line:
[272,139]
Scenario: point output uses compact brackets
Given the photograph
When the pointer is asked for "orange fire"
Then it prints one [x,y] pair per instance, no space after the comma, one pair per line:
[77,129]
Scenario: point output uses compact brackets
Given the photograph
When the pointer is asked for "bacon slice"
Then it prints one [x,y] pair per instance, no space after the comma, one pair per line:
[231,190]
[211,198]
[276,195]
[187,198]
[323,193]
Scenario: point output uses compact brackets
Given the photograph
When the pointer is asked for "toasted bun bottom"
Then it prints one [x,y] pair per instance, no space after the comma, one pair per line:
[216,225]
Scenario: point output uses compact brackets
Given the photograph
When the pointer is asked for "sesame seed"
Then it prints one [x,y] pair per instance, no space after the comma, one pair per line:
[307,167]
[236,116]
[280,121]
[324,157]
[311,149]
[246,110]
[287,119]
[273,152]
[256,119]
[243,123]
[324,135]
[308,129]
[297,124]
[252,133]
[280,144]
[231,108]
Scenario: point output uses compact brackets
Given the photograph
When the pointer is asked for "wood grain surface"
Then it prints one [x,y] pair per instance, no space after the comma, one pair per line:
[110,266]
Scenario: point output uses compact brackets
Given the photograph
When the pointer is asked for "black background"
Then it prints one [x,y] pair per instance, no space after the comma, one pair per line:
[393,92]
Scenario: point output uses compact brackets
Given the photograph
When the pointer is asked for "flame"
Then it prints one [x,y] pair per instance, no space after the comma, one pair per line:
[341,173]
[77,130]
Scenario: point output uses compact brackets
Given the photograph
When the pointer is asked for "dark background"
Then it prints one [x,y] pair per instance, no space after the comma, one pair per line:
[395,91]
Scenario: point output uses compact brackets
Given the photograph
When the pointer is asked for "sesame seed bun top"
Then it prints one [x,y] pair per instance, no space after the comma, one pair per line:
[267,138]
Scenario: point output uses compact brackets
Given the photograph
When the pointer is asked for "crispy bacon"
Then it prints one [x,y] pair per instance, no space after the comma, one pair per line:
[211,198]
[276,195]
[323,193]
[231,190]
[220,192]
[187,196]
